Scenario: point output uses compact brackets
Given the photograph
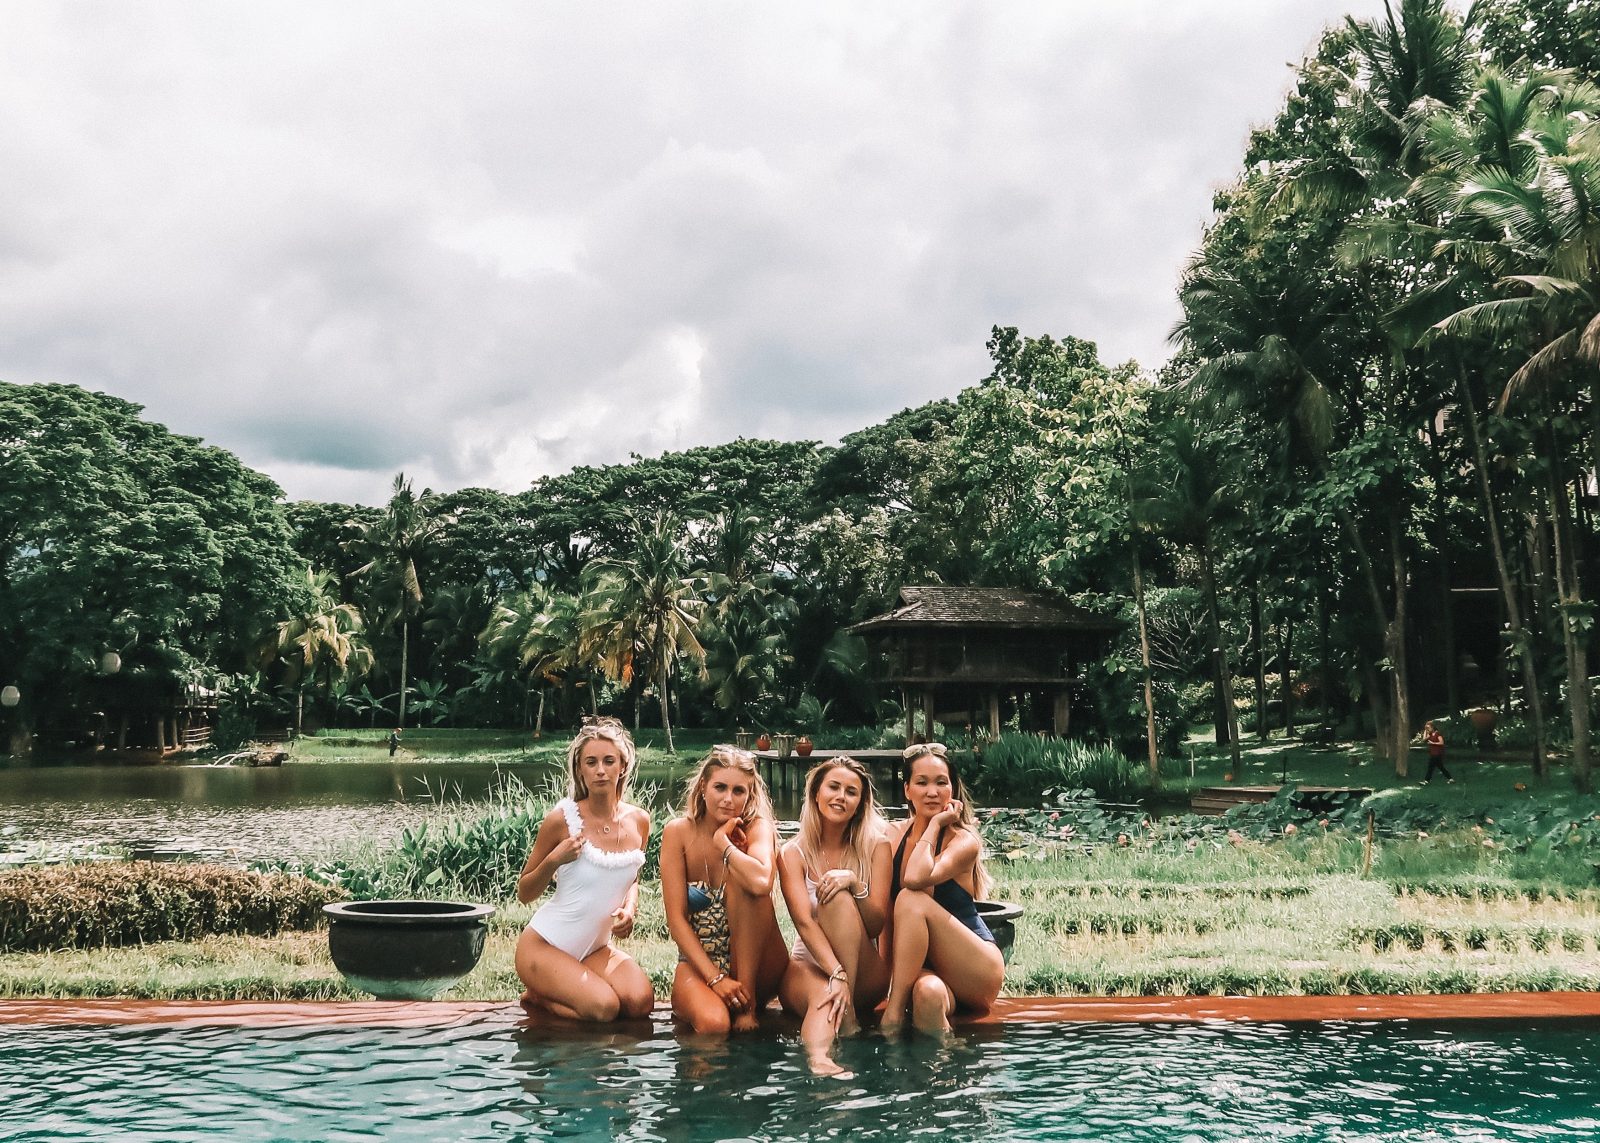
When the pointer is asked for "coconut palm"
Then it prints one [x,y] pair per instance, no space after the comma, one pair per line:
[1518,189]
[395,544]
[323,637]
[642,610]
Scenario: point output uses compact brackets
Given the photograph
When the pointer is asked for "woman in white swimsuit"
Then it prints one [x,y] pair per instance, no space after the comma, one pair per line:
[591,846]
[836,883]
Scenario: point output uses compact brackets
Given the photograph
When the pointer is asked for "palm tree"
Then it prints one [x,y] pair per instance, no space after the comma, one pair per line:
[395,545]
[323,636]
[1518,188]
[643,609]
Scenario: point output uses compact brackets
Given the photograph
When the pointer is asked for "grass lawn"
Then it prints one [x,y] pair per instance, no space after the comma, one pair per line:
[1433,915]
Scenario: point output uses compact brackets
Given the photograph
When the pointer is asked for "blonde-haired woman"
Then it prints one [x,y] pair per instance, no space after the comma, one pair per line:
[943,955]
[836,883]
[591,846]
[717,870]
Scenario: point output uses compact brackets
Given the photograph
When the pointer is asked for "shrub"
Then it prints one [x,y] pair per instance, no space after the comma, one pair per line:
[1021,766]
[118,903]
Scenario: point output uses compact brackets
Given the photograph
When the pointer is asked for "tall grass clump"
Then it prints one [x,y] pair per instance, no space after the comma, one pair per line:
[1022,766]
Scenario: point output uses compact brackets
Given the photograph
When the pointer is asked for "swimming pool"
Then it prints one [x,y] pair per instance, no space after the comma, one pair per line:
[489,1078]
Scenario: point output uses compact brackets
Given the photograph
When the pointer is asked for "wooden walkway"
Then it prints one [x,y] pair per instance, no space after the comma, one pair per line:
[1221,799]
[789,773]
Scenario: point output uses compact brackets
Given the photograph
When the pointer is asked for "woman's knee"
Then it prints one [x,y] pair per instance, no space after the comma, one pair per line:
[635,1003]
[930,996]
[710,1021]
[910,905]
[599,1005]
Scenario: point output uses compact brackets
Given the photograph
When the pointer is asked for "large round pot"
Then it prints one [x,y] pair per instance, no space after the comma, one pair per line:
[803,746]
[1001,917]
[1483,721]
[406,950]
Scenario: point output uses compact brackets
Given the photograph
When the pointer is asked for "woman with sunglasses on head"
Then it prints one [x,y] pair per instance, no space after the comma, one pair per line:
[717,869]
[590,846]
[835,877]
[942,954]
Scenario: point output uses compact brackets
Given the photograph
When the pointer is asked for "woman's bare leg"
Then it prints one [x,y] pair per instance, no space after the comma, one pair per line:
[636,998]
[694,1002]
[759,958]
[925,935]
[863,967]
[803,986]
[565,986]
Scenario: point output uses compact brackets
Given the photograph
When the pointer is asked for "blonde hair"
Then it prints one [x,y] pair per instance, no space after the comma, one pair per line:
[612,731]
[965,820]
[861,832]
[728,758]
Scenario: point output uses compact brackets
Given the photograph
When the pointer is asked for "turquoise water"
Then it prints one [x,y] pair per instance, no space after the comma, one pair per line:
[487,1080]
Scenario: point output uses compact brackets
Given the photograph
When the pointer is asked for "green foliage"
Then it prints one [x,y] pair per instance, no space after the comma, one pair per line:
[1019,767]
[118,535]
[119,903]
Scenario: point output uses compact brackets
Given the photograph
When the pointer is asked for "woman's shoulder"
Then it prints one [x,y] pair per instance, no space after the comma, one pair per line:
[561,814]
[636,813]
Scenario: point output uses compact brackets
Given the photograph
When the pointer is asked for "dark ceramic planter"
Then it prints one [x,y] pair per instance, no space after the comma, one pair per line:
[1001,917]
[406,950]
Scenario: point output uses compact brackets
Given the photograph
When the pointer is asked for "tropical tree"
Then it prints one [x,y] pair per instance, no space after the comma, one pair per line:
[394,547]
[643,608]
[322,638]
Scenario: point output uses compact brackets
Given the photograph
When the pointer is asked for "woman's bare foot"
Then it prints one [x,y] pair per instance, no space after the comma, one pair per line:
[825,1068]
[746,1022]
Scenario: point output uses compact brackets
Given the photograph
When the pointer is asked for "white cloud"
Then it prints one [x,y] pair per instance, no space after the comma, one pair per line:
[490,241]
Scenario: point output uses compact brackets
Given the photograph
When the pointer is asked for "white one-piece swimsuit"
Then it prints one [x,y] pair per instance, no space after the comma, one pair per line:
[577,918]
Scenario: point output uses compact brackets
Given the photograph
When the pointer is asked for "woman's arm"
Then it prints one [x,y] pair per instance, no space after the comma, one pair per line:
[874,907]
[623,917]
[924,869]
[753,867]
[552,849]
[792,876]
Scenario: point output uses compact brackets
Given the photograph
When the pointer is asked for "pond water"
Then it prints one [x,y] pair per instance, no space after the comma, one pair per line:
[489,1080]
[247,812]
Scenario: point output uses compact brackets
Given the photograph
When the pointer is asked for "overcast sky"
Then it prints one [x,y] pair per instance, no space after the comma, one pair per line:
[484,242]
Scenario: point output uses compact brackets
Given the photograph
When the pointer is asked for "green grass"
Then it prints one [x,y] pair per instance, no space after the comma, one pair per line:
[1283,916]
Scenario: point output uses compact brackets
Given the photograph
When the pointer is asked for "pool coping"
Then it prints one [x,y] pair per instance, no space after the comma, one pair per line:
[1016,1009]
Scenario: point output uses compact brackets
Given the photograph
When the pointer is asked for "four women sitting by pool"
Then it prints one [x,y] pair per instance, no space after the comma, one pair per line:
[883,912]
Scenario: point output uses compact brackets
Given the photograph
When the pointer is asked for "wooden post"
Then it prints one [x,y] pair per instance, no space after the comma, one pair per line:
[994,714]
[927,715]
[161,732]
[1063,712]
[905,705]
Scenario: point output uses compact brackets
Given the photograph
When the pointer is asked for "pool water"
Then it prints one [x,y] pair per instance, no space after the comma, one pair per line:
[488,1079]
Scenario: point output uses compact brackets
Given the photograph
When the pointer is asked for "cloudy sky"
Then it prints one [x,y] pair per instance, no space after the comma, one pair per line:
[483,242]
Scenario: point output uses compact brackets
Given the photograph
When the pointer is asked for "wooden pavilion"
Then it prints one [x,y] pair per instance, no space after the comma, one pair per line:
[956,652]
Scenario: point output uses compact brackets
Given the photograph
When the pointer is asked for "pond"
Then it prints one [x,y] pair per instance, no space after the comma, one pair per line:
[245,812]
[249,812]
[489,1079]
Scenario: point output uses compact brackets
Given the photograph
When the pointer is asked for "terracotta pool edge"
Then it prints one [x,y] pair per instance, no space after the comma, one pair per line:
[1019,1009]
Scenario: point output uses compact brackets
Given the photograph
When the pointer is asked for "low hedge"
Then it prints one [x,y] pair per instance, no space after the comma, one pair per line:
[120,903]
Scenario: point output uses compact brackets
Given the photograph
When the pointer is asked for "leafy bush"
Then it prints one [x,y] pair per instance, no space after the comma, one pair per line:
[1021,766]
[119,903]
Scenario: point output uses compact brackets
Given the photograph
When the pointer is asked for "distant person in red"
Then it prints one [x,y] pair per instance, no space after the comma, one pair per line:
[1435,743]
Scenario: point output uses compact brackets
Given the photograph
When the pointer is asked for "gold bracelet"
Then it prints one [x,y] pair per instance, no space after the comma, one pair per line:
[862,896]
[727,855]
[715,980]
